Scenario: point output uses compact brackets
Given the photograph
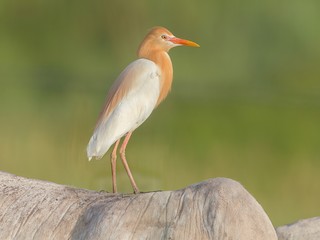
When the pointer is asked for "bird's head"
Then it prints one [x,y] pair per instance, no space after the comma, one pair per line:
[161,39]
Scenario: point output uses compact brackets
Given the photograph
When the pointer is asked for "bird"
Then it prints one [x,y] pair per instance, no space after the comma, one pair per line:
[138,90]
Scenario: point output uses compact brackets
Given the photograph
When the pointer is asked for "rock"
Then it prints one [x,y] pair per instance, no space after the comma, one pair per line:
[306,229]
[218,208]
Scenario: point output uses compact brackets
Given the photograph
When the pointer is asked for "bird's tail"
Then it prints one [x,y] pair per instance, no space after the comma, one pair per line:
[94,149]
[99,144]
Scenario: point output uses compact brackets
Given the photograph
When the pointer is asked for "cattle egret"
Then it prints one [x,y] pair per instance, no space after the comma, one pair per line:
[138,90]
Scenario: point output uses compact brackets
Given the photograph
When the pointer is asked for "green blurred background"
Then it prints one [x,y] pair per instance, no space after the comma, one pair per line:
[246,105]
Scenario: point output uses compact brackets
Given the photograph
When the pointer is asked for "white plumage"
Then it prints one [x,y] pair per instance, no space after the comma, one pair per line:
[131,110]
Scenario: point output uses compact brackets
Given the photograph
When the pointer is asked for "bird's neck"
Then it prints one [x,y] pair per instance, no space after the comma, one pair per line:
[163,61]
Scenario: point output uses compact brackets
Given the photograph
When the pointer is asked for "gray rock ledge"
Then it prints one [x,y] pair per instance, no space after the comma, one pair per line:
[218,208]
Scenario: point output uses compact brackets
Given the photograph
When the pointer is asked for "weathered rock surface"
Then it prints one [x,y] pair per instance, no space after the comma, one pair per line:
[306,229]
[214,209]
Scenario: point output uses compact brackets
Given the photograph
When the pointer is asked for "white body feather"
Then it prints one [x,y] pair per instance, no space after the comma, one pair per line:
[134,107]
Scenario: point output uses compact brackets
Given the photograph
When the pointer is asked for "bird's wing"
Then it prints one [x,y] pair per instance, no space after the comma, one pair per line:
[129,103]
[129,79]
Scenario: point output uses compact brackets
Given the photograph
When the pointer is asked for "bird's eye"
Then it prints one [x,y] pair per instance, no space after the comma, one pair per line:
[164,37]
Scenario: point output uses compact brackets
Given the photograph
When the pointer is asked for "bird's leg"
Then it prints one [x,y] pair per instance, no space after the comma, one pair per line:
[124,161]
[114,166]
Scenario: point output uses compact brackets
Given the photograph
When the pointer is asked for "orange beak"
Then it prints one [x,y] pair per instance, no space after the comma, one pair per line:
[184,42]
